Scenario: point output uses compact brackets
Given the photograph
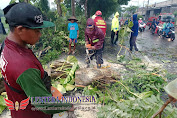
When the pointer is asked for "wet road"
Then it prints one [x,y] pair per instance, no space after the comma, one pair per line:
[159,50]
[155,49]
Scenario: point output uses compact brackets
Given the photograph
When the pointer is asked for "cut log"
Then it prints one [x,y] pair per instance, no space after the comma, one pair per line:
[87,76]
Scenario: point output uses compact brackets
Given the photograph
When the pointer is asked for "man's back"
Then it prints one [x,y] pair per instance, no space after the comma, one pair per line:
[100,23]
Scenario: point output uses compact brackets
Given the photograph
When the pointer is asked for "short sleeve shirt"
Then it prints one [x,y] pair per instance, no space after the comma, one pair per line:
[73,28]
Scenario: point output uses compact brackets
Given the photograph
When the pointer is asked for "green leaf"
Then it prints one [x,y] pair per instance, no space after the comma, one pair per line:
[71,59]
[2,108]
[166,61]
[62,81]
[130,24]
[71,74]
[2,104]
[145,94]
[61,88]
[69,87]
[129,30]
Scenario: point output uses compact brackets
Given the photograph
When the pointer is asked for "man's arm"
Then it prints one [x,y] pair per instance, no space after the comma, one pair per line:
[86,38]
[33,86]
[77,34]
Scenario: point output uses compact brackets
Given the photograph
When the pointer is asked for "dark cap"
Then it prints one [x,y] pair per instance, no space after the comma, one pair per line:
[25,15]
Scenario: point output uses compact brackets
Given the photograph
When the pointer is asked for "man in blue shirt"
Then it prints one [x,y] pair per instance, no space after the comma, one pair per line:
[73,33]
[168,26]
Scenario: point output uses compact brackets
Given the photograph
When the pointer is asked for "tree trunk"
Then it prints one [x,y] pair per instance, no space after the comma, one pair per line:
[85,6]
[73,7]
[59,10]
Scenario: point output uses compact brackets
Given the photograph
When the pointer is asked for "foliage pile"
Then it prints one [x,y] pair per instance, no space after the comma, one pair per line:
[66,78]
[137,95]
[136,108]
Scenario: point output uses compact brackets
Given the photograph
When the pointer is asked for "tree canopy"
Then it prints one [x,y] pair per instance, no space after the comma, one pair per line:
[89,7]
[131,9]
[108,7]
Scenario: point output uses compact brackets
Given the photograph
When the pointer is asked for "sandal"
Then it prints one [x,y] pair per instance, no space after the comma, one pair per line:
[69,53]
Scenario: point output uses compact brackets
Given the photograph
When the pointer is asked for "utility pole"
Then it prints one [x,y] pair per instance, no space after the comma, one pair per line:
[148,5]
[143,8]
[147,11]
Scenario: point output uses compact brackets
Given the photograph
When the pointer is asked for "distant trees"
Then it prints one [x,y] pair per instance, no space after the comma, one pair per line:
[89,7]
[131,9]
[81,7]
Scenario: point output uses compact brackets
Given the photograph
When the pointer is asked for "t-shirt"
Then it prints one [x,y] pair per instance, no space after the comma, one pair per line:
[22,70]
[73,28]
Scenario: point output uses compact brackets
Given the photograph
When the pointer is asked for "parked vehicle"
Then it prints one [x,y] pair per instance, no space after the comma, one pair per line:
[152,30]
[166,16]
[142,26]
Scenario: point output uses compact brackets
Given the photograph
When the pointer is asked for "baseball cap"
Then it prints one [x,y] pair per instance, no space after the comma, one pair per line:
[25,15]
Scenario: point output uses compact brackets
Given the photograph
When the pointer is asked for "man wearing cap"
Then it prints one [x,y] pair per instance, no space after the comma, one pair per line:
[73,33]
[94,38]
[100,23]
[115,29]
[22,72]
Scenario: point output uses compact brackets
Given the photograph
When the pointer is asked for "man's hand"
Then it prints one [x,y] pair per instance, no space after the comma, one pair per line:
[86,43]
[93,47]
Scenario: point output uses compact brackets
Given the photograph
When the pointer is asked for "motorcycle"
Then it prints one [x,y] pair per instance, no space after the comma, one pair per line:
[159,30]
[142,26]
[170,34]
[152,30]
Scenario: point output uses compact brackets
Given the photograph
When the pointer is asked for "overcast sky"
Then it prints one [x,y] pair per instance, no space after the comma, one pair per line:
[4,3]
[140,2]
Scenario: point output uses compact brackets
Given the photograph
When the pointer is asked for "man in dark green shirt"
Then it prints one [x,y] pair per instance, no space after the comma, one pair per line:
[20,68]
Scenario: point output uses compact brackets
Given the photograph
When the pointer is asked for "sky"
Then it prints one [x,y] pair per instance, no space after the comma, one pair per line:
[4,3]
[140,2]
